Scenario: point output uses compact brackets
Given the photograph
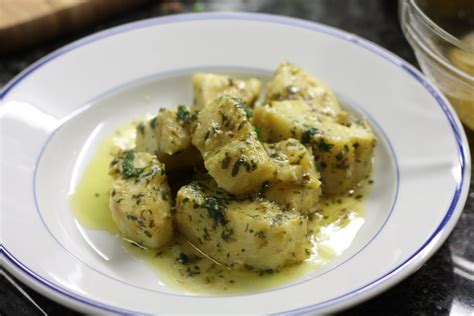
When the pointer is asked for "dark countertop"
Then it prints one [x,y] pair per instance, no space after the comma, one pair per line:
[444,285]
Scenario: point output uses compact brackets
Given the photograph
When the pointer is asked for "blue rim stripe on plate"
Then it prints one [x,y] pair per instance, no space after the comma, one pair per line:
[458,134]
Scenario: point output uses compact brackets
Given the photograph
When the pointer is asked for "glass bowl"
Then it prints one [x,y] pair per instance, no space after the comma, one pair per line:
[441,33]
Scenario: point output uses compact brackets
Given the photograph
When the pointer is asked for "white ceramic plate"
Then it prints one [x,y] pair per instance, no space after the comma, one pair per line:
[54,114]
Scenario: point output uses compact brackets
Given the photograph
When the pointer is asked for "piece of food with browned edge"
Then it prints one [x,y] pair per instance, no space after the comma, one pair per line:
[229,144]
[168,137]
[207,87]
[251,233]
[343,152]
[296,185]
[140,199]
[292,83]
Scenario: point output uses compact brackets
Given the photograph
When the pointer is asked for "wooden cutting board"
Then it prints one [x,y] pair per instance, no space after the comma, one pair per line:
[24,23]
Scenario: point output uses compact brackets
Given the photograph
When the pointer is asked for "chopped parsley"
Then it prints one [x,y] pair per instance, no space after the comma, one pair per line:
[248,111]
[227,234]
[183,259]
[259,134]
[265,186]
[236,167]
[153,122]
[183,114]
[308,135]
[240,104]
[132,217]
[154,170]
[215,210]
[129,169]
[323,146]
[342,153]
[114,162]
[226,161]
[249,167]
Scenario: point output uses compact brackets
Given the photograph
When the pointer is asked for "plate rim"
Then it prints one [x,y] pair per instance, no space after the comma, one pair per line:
[407,267]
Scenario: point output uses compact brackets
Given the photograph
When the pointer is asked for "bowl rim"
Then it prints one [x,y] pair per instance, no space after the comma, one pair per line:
[438,29]
[417,44]
[414,39]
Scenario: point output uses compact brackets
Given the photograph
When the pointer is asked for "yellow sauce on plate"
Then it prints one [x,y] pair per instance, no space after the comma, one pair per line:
[182,266]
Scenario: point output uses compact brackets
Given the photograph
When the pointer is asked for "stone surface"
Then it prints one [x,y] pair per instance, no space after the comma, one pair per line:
[444,285]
